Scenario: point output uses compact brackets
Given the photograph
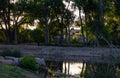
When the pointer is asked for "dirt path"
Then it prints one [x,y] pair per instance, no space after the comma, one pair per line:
[63,53]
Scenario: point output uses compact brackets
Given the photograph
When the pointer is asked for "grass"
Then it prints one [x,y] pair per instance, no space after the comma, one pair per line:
[9,71]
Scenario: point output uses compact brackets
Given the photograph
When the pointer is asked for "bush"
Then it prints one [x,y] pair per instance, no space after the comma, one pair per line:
[37,36]
[2,37]
[74,40]
[8,52]
[29,62]
[100,71]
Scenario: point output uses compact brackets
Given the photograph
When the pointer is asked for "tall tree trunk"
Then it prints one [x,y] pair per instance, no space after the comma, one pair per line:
[68,34]
[15,33]
[68,68]
[62,35]
[86,28]
[46,32]
[7,36]
[8,24]
[66,28]
[82,31]
[82,70]
[65,68]
[46,16]
[61,30]
[101,11]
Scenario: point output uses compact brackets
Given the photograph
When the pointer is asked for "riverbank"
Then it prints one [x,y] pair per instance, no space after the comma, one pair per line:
[9,71]
[78,54]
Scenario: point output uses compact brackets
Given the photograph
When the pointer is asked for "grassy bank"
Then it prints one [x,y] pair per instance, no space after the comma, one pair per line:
[8,71]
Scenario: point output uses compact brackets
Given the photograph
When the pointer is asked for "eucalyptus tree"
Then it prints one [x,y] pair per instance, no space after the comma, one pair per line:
[5,18]
[65,18]
[112,19]
[117,5]
[45,11]
[88,7]
[12,16]
[19,17]
[79,4]
[39,10]
[58,9]
[98,27]
[68,20]
[53,14]
[94,17]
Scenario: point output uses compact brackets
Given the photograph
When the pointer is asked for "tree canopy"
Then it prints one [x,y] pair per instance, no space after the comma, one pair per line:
[98,20]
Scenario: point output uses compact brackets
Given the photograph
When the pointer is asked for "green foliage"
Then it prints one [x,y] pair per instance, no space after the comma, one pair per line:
[117,5]
[2,37]
[29,62]
[87,72]
[13,53]
[58,17]
[9,71]
[74,40]
[100,71]
[37,36]
[100,31]
[24,35]
[104,70]
[98,28]
[118,71]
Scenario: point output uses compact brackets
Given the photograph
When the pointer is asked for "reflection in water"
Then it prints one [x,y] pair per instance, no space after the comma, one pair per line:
[64,68]
[83,70]
[72,68]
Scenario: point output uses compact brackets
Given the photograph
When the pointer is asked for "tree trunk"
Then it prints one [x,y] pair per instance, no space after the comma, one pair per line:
[65,68]
[61,30]
[8,22]
[61,39]
[15,33]
[82,31]
[46,32]
[86,28]
[7,36]
[101,10]
[68,68]
[82,71]
[68,34]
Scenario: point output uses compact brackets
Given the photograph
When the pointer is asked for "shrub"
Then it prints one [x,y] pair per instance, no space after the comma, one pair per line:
[2,37]
[8,52]
[16,53]
[29,62]
[74,40]
[100,71]
[37,36]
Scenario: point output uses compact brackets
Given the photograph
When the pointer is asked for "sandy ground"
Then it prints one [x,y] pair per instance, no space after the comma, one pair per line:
[73,52]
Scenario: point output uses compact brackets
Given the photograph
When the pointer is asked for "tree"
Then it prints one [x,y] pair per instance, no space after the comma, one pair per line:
[50,11]
[35,37]
[5,18]
[12,16]
[18,17]
[79,4]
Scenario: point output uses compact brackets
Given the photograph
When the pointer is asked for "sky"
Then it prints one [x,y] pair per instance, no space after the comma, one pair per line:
[75,11]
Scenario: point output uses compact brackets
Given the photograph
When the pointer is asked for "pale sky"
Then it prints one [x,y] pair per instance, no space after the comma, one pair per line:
[74,10]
